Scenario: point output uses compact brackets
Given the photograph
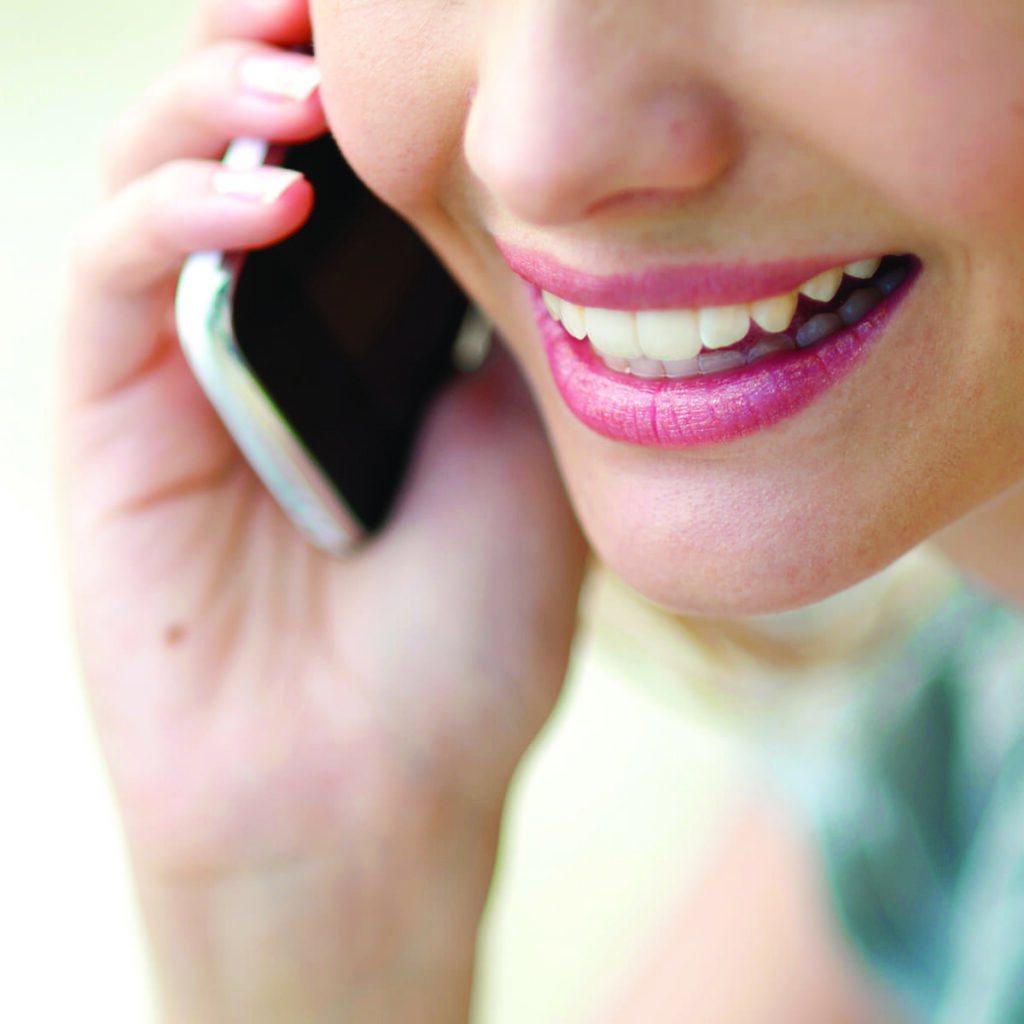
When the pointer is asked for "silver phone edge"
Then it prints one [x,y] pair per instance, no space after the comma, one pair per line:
[203,315]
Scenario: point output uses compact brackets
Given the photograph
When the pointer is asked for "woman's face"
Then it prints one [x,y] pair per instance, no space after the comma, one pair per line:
[687,158]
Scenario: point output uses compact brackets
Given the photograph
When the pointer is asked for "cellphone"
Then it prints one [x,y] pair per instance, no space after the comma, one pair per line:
[321,353]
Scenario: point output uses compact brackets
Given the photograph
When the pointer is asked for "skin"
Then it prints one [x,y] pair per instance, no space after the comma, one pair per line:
[528,125]
[310,754]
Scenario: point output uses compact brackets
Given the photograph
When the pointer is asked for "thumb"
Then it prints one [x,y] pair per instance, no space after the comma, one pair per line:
[478,571]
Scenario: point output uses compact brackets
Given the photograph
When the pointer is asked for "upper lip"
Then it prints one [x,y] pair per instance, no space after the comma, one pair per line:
[681,286]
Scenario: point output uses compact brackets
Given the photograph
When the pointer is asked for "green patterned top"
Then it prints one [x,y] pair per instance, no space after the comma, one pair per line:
[917,799]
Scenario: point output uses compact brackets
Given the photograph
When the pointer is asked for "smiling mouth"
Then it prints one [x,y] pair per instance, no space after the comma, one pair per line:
[684,343]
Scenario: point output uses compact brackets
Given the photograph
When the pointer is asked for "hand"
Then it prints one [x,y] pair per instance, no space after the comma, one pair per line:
[310,754]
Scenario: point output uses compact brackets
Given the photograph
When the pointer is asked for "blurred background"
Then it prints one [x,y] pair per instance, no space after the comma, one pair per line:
[612,809]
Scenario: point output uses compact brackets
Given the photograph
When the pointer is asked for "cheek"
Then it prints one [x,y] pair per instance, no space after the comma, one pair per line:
[925,102]
[784,519]
[396,91]
[958,163]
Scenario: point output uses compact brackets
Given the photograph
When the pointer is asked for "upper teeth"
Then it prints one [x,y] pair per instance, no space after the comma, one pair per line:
[672,335]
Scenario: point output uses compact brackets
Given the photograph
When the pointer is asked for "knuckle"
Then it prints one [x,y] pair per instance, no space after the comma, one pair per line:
[140,224]
[208,79]
[159,203]
[169,183]
[165,198]
[224,55]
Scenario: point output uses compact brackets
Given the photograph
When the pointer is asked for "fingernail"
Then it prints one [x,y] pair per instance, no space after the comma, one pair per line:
[263,185]
[280,77]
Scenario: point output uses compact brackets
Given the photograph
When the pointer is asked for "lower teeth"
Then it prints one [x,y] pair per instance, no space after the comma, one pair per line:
[858,305]
[770,345]
[720,360]
[817,328]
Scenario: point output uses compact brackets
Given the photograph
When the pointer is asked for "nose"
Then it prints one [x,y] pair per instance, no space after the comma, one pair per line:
[583,105]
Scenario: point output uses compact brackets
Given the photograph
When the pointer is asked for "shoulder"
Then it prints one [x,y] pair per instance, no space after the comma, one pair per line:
[918,800]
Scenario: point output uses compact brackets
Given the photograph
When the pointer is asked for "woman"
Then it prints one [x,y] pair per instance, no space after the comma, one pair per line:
[311,792]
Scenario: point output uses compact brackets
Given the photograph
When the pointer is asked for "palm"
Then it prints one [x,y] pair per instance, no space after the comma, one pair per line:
[250,691]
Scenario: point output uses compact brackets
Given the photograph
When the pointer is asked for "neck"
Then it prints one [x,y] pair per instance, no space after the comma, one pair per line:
[988,545]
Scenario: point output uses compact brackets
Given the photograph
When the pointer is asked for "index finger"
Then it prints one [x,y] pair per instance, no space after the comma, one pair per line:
[279,22]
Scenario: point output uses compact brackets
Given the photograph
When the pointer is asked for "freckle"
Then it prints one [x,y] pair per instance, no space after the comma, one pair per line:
[1018,109]
[174,634]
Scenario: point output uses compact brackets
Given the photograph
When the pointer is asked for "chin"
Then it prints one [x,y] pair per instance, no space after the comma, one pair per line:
[694,570]
[732,591]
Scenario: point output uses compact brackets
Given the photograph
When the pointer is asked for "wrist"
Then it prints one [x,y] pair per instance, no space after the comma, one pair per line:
[377,934]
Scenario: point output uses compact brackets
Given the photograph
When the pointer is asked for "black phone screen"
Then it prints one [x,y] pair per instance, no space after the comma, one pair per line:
[348,325]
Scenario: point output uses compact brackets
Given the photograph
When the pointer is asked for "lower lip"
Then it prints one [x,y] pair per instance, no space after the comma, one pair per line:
[715,409]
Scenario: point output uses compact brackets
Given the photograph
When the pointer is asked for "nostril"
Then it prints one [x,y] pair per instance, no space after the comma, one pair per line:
[537,168]
[551,158]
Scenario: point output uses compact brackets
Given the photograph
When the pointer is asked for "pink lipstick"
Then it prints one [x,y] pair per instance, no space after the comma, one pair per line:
[712,407]
[679,287]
